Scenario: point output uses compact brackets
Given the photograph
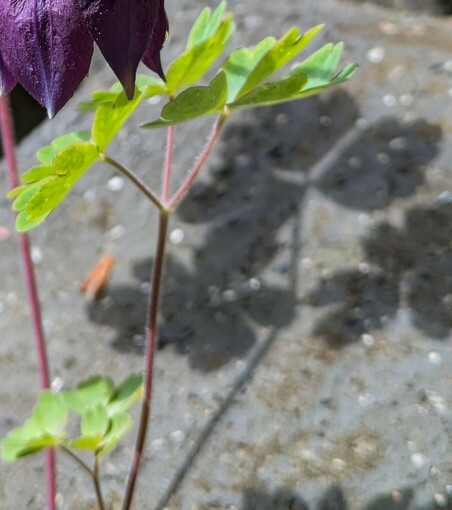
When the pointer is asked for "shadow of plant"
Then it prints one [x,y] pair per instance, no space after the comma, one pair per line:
[409,266]
[332,499]
[249,208]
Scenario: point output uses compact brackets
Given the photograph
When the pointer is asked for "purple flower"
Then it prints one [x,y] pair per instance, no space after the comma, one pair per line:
[47,45]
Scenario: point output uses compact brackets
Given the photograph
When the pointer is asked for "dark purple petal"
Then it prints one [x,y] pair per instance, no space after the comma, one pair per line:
[46,47]
[152,55]
[7,80]
[121,29]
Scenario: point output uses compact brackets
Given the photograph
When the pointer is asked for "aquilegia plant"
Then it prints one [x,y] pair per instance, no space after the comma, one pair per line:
[46,46]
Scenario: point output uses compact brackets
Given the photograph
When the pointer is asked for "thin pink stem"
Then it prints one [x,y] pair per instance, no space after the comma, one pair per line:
[7,135]
[168,160]
[151,341]
[185,186]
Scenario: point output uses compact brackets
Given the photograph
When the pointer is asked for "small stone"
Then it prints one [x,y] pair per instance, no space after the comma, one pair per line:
[362,123]
[338,464]
[89,196]
[447,66]
[399,144]
[176,236]
[389,100]
[434,357]
[325,120]
[418,460]
[116,232]
[355,162]
[445,197]
[254,283]
[383,158]
[57,384]
[230,295]
[364,268]
[11,298]
[4,232]
[116,183]
[367,340]
[177,436]
[36,255]
[376,54]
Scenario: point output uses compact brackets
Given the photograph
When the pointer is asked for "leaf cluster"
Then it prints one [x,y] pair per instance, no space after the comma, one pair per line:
[100,406]
[243,80]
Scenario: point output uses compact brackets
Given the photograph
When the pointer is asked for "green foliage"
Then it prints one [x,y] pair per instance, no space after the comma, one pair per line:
[102,409]
[195,102]
[244,80]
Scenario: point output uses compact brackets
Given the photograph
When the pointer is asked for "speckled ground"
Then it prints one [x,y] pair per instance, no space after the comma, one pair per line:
[305,343]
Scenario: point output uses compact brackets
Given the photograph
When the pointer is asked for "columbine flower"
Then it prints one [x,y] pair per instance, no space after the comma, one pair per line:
[47,45]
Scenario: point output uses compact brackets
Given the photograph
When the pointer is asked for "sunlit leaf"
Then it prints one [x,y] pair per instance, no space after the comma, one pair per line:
[94,421]
[126,394]
[272,93]
[206,25]
[95,391]
[110,117]
[194,102]
[37,173]
[47,153]
[51,413]
[282,52]
[240,64]
[120,425]
[194,62]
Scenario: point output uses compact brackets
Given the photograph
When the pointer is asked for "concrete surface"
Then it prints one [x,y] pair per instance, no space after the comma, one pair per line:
[305,345]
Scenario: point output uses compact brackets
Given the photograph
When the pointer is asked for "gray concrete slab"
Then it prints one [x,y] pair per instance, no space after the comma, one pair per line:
[305,343]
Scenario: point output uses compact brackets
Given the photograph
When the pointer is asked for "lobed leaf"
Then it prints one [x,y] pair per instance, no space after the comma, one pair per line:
[120,425]
[284,50]
[95,391]
[126,394]
[286,89]
[240,64]
[206,25]
[196,60]
[194,102]
[49,184]
[46,154]
[50,413]
[110,117]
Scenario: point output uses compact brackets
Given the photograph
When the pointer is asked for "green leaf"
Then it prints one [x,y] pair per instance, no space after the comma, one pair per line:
[51,412]
[37,173]
[47,153]
[126,394]
[284,50]
[206,25]
[120,425]
[195,61]
[194,102]
[19,438]
[95,391]
[240,64]
[272,93]
[38,199]
[75,159]
[94,421]
[24,225]
[320,66]
[28,191]
[110,117]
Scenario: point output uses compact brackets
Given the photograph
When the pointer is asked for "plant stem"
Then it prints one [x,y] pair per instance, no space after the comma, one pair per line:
[185,186]
[151,341]
[168,159]
[135,179]
[7,135]
[93,473]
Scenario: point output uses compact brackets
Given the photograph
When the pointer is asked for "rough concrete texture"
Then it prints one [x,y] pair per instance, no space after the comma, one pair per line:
[305,344]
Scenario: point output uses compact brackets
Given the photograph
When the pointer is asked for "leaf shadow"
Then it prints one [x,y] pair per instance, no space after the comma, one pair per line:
[406,266]
[249,208]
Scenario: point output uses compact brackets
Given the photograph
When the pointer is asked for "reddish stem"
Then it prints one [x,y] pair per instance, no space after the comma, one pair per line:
[7,135]
[151,341]
[185,186]
[168,160]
